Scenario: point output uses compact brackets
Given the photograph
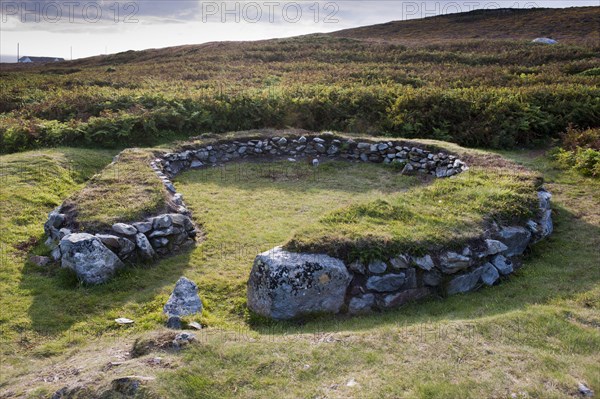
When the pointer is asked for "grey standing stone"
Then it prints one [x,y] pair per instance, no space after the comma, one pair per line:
[489,274]
[546,223]
[503,264]
[184,299]
[89,258]
[386,283]
[284,285]
[516,238]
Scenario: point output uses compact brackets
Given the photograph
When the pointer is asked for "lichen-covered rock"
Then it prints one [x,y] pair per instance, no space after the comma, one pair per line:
[125,229]
[516,238]
[144,249]
[89,258]
[284,285]
[119,245]
[184,299]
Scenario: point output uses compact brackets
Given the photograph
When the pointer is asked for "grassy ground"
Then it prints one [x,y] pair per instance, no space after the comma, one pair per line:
[536,335]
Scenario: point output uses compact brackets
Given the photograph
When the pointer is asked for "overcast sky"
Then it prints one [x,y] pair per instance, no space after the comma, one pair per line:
[92,27]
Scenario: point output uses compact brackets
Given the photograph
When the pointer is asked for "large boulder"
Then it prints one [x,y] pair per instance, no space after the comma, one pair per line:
[284,285]
[89,258]
[184,300]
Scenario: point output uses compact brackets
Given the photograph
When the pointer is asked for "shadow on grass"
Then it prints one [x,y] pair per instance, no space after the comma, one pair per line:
[562,266]
[59,301]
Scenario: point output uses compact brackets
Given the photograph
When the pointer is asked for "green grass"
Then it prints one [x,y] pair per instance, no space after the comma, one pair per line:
[125,191]
[535,335]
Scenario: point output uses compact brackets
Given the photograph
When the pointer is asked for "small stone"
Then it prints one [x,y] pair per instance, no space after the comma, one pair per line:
[351,383]
[361,304]
[451,262]
[143,227]
[377,266]
[357,267]
[494,247]
[425,262]
[183,339]
[162,222]
[387,283]
[407,169]
[174,323]
[315,162]
[196,164]
[302,140]
[282,141]
[242,150]
[432,278]
[56,254]
[318,140]
[123,320]
[400,262]
[40,261]
[503,265]
[584,390]
[489,274]
[195,325]
[125,229]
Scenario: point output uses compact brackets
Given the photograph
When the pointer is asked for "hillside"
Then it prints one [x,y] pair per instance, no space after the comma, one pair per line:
[572,25]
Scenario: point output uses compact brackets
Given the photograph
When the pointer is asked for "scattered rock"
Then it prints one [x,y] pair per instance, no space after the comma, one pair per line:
[183,339]
[184,300]
[40,261]
[129,386]
[544,40]
[284,285]
[584,390]
[123,321]
[195,325]
[89,258]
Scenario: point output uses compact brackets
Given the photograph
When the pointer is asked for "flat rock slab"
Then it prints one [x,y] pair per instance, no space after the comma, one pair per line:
[285,285]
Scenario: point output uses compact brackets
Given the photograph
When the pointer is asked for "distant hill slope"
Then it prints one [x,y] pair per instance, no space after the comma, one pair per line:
[570,25]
